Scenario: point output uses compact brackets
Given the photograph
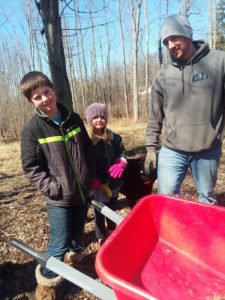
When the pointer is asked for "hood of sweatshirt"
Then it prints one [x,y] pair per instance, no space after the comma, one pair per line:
[202,50]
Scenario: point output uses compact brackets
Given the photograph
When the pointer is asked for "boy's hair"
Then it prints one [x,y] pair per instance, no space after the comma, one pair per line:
[33,80]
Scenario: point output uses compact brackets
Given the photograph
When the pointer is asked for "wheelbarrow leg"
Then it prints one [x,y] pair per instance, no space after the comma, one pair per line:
[89,284]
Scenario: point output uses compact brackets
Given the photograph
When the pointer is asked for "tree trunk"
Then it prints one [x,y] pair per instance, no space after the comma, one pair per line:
[160,53]
[95,74]
[147,48]
[124,62]
[84,63]
[108,61]
[52,26]
[135,19]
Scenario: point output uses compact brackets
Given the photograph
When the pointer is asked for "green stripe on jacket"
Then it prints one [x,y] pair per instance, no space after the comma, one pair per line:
[59,138]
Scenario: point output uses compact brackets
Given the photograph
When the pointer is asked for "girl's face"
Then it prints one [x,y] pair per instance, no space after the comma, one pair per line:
[98,124]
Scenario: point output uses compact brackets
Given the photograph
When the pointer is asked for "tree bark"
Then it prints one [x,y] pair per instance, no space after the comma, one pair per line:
[135,19]
[52,26]
[124,62]
[147,48]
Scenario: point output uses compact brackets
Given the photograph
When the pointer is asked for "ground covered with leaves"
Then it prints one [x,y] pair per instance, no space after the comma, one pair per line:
[23,216]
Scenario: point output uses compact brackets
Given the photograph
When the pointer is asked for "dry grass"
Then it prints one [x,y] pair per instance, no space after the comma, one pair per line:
[133,133]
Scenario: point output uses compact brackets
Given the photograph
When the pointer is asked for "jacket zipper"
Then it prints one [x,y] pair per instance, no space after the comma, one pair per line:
[73,165]
[107,154]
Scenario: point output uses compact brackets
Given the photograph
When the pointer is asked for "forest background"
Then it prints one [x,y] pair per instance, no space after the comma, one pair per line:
[94,51]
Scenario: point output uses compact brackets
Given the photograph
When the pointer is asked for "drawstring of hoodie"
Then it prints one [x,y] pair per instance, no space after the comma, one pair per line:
[182,73]
[182,77]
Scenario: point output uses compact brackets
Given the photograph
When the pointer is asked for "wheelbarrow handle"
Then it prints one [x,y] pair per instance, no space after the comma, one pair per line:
[108,212]
[89,284]
[40,257]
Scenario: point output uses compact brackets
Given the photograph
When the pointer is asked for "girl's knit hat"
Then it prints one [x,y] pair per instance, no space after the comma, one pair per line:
[96,110]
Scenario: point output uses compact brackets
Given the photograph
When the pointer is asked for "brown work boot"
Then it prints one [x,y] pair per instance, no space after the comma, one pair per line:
[45,293]
[73,258]
[46,286]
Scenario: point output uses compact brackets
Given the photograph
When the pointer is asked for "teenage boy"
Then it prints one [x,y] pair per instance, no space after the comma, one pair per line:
[57,158]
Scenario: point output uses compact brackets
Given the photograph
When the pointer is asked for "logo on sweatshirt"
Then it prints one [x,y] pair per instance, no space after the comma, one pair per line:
[199,76]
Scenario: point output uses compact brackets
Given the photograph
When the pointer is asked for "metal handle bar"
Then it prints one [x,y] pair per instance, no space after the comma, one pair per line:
[89,284]
[108,212]
[40,257]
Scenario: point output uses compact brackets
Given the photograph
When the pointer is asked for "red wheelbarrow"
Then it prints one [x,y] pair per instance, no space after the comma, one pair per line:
[165,248]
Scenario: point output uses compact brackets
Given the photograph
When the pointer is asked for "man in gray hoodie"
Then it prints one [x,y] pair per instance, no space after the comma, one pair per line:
[186,113]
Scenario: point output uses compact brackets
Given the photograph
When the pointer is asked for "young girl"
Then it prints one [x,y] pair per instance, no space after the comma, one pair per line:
[110,164]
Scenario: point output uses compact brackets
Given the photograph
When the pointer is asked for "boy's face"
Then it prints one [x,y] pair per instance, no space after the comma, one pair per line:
[44,98]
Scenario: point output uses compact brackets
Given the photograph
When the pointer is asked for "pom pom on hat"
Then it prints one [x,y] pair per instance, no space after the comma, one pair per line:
[96,110]
[176,25]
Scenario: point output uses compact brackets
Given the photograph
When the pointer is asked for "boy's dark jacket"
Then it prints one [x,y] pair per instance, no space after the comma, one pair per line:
[58,160]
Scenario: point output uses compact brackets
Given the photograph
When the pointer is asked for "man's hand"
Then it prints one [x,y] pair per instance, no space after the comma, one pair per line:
[150,162]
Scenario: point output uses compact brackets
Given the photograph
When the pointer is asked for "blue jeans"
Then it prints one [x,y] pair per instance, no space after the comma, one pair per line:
[66,228]
[173,166]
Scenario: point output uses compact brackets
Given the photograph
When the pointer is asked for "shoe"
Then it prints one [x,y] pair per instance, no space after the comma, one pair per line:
[46,289]
[45,293]
[72,258]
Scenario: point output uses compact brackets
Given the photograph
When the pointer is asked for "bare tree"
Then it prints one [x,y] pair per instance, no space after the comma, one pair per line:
[49,11]
[94,59]
[135,11]
[84,62]
[79,63]
[185,6]
[36,46]
[30,22]
[70,66]
[124,62]
[108,61]
[212,24]
[147,47]
[160,53]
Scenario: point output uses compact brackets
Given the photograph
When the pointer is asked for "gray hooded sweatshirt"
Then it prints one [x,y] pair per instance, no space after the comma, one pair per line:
[187,102]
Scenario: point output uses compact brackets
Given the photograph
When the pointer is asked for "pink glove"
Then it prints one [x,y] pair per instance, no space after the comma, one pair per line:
[95,183]
[116,170]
